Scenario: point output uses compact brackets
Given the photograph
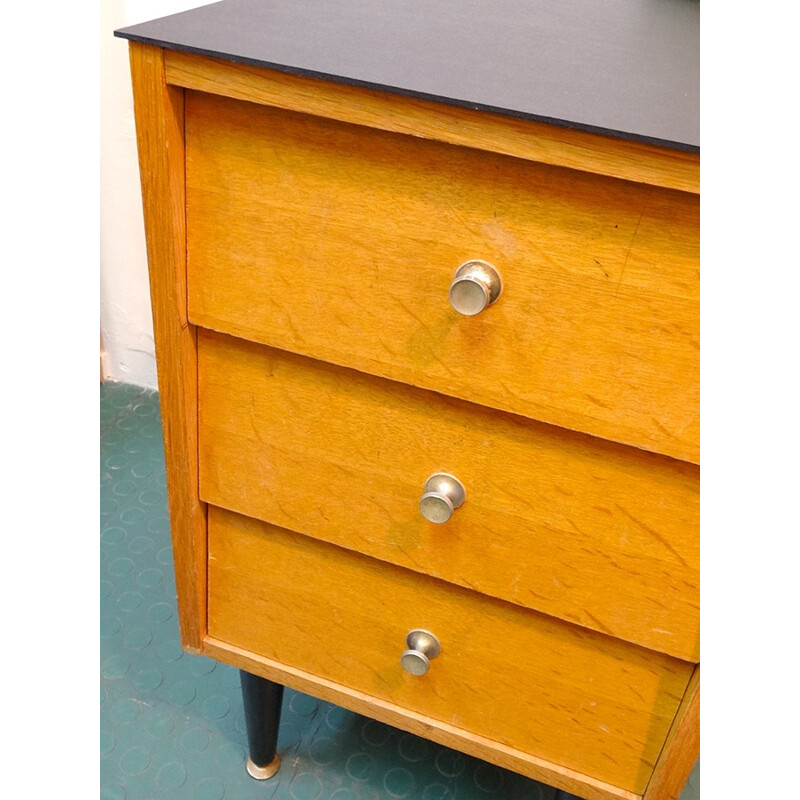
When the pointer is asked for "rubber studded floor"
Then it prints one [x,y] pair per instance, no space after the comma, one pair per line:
[172,724]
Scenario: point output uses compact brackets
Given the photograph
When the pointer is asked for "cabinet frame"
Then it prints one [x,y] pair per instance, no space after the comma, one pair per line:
[159,78]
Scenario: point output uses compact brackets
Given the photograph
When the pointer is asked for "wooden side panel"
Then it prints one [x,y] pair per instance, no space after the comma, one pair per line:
[160,137]
[681,750]
[551,519]
[569,696]
[340,242]
[533,141]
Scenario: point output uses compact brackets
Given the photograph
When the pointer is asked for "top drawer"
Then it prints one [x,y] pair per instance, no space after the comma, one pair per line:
[340,242]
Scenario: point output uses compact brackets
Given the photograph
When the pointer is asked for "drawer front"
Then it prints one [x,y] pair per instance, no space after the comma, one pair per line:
[575,698]
[551,519]
[340,242]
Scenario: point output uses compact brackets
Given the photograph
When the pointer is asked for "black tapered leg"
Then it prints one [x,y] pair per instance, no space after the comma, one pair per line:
[562,795]
[262,712]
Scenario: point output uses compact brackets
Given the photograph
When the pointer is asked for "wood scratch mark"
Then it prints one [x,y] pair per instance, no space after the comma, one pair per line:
[295,332]
[596,401]
[520,498]
[354,300]
[574,526]
[343,322]
[439,361]
[381,507]
[662,428]
[412,314]
[285,513]
[633,239]
[253,417]
[408,555]
[638,694]
[386,347]
[599,625]
[655,535]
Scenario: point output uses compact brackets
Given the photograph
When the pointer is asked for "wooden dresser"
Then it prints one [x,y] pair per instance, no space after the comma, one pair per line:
[427,332]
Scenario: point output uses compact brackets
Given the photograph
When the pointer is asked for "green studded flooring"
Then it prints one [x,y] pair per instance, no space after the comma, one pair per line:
[172,724]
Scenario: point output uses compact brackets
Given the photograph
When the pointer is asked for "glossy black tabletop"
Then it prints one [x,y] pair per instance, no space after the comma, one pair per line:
[628,68]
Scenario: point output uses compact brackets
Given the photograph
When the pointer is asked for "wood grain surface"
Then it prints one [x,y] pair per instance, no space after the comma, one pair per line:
[495,133]
[551,519]
[159,131]
[576,698]
[340,242]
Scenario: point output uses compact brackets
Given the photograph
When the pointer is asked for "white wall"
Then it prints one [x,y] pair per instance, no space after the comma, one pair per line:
[125,317]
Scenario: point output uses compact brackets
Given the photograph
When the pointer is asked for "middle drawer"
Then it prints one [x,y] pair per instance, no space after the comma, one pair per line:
[582,529]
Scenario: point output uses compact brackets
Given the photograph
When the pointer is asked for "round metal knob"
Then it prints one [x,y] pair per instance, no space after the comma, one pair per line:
[476,285]
[443,494]
[422,647]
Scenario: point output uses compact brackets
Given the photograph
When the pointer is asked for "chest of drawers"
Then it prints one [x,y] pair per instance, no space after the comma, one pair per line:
[320,362]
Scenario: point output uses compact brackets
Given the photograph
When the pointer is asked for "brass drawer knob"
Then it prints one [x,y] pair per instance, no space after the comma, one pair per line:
[422,647]
[476,285]
[443,494]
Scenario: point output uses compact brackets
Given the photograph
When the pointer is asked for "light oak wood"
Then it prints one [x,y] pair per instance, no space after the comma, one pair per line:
[579,699]
[377,708]
[681,750]
[340,242]
[551,520]
[159,131]
[548,144]
[336,236]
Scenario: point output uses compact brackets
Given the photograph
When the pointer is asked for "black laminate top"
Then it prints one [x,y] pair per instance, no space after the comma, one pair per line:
[629,68]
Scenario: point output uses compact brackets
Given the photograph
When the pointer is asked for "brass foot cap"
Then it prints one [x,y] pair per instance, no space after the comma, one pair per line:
[263,773]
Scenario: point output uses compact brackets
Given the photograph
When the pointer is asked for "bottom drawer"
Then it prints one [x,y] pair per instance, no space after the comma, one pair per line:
[573,697]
